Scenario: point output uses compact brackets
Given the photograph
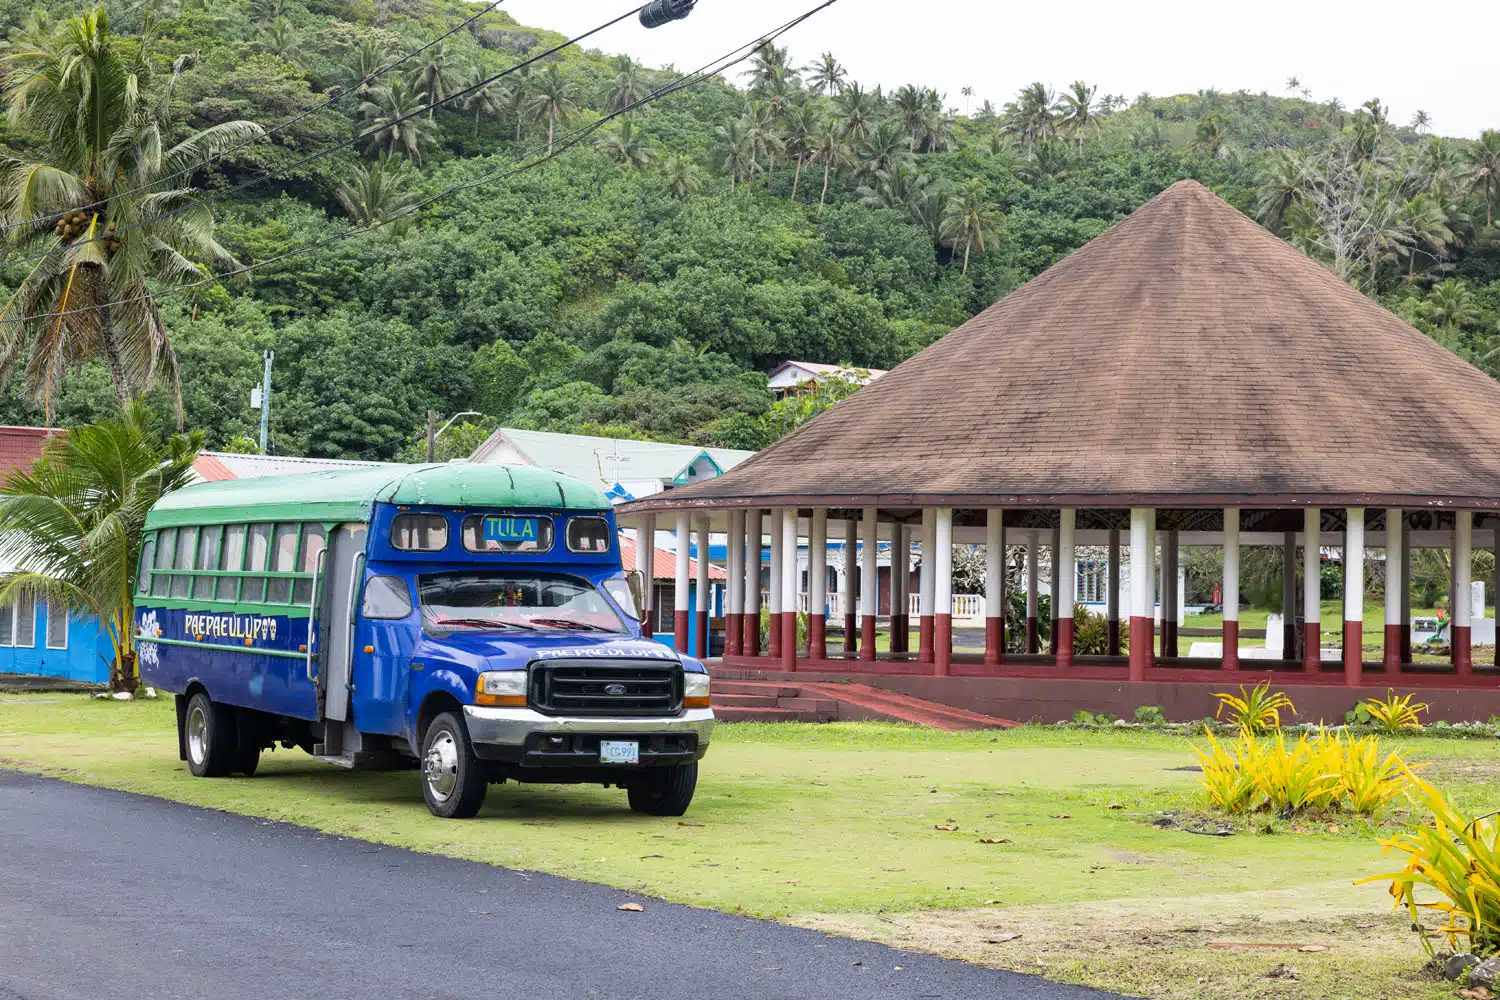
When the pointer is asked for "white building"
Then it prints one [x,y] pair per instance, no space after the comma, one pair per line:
[791,376]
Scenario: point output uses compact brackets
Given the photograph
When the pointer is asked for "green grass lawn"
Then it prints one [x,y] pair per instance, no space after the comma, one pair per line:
[840,827]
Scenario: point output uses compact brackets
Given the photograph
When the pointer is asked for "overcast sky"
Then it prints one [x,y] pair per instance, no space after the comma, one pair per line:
[1431,56]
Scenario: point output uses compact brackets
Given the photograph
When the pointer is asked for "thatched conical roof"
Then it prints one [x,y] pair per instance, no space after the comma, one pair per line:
[1184,357]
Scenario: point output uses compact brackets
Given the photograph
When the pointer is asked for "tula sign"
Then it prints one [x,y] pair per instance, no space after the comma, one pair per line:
[510,529]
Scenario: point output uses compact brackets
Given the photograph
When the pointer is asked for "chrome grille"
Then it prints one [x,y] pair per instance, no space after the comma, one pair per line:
[618,688]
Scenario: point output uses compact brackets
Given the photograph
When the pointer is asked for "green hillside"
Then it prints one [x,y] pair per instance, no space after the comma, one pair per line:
[646,280]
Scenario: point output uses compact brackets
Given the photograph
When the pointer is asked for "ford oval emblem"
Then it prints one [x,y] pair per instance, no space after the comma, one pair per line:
[614,689]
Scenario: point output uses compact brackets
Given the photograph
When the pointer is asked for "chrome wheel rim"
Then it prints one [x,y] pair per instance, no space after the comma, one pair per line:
[440,766]
[197,734]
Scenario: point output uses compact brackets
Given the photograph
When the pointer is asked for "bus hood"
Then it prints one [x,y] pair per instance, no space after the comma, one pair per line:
[514,650]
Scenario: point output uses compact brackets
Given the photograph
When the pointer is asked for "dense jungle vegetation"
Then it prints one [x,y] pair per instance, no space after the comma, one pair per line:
[641,284]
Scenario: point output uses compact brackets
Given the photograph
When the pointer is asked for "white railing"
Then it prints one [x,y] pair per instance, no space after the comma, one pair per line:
[967,608]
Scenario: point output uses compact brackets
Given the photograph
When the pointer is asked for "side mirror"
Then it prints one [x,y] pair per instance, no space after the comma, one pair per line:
[637,583]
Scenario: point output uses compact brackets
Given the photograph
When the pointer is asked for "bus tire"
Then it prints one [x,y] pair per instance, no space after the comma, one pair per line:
[453,779]
[211,736]
[246,744]
[663,791]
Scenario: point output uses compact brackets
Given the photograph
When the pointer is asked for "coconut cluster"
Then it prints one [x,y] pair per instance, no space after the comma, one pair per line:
[72,225]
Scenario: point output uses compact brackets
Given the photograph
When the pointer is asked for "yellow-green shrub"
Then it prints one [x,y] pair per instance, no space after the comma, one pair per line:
[1328,771]
[1459,860]
[1395,713]
[1227,778]
[1304,777]
[1258,710]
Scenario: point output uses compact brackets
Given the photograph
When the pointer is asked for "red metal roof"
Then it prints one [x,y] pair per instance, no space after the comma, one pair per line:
[211,469]
[664,564]
[21,446]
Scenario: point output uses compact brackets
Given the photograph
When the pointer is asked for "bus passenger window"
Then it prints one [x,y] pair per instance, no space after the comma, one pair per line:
[419,532]
[386,597]
[505,533]
[161,580]
[254,590]
[312,547]
[208,559]
[231,557]
[588,534]
[187,541]
[283,554]
[148,560]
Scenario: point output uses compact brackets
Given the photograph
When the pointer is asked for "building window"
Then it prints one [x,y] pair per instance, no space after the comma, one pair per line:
[57,627]
[18,622]
[1093,580]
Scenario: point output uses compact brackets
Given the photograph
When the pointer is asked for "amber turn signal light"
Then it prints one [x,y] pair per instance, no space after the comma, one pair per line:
[695,702]
[500,700]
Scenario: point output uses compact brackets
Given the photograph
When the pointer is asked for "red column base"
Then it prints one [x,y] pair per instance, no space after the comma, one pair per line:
[867,637]
[788,627]
[817,637]
[1140,647]
[773,640]
[1031,635]
[851,633]
[1113,627]
[942,643]
[1354,653]
[700,640]
[1229,659]
[1390,661]
[924,639]
[732,623]
[994,641]
[1063,642]
[750,635]
[1312,647]
[1463,660]
[680,631]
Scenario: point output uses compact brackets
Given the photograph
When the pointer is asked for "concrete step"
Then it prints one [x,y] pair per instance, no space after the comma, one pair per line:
[730,700]
[754,687]
[822,706]
[736,714]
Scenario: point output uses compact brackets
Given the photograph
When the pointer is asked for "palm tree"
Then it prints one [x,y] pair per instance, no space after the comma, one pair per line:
[970,217]
[625,147]
[768,63]
[486,98]
[986,112]
[1484,170]
[909,104]
[796,125]
[1045,158]
[1293,85]
[1212,135]
[761,117]
[377,192]
[899,186]
[857,107]
[935,131]
[1279,182]
[1421,121]
[825,76]
[72,524]
[92,207]
[553,97]
[683,177]
[1425,222]
[393,116]
[1078,114]
[628,86]
[368,58]
[830,148]
[1032,116]
[518,97]
[439,75]
[279,38]
[1452,305]
[885,146]
[968,92]
[736,150]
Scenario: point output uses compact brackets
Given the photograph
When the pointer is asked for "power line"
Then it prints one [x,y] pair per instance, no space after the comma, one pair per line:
[560,145]
[267,133]
[328,151]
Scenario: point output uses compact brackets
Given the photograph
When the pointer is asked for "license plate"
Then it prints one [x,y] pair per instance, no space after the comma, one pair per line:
[619,752]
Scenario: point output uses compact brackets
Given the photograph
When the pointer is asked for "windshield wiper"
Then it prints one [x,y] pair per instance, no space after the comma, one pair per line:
[481,623]
[571,623]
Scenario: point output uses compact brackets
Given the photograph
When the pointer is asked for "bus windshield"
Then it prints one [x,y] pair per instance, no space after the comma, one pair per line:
[523,602]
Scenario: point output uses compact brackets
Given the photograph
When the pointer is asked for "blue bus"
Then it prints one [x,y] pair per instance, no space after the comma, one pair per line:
[471,620]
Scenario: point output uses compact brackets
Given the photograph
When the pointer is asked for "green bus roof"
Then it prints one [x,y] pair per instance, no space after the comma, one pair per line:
[350,494]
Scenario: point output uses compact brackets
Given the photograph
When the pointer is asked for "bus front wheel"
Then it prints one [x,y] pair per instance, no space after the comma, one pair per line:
[453,779]
[209,734]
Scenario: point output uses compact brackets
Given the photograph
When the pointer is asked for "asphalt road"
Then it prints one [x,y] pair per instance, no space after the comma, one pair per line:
[109,895]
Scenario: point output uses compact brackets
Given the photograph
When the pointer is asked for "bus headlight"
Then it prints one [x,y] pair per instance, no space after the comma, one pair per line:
[695,690]
[501,689]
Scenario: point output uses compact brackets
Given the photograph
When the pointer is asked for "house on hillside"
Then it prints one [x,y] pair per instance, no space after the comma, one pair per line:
[621,467]
[792,377]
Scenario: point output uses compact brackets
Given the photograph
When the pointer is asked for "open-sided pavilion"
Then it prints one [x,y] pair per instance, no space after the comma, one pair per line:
[1186,378]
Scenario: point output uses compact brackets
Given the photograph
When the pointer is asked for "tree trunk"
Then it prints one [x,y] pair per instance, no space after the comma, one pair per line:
[824,195]
[796,176]
[771,173]
[967,244]
[551,120]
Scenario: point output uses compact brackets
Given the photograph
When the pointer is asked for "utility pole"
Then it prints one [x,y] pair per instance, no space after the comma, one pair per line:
[432,435]
[265,400]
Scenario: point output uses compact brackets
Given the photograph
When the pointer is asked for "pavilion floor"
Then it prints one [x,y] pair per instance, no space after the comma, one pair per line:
[1033,687]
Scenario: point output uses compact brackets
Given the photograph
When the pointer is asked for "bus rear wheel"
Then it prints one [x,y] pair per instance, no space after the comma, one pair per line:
[663,791]
[209,733]
[453,779]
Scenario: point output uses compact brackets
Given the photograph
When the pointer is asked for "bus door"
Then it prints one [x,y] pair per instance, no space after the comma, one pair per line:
[343,568]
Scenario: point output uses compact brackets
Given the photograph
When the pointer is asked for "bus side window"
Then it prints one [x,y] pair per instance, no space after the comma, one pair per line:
[386,597]
[208,559]
[284,560]
[312,546]
[148,559]
[187,542]
[161,580]
[254,591]
[231,557]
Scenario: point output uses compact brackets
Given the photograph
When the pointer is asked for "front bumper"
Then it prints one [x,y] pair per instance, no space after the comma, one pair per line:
[523,736]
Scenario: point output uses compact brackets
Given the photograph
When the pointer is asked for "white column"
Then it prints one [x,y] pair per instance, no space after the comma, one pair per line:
[1393,574]
[1032,559]
[869,591]
[1463,556]
[775,599]
[645,561]
[851,568]
[1066,587]
[903,545]
[1158,579]
[734,602]
[1231,586]
[789,573]
[680,593]
[701,597]
[943,551]
[1142,596]
[752,569]
[1312,540]
[994,563]
[817,562]
[1354,566]
[926,580]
